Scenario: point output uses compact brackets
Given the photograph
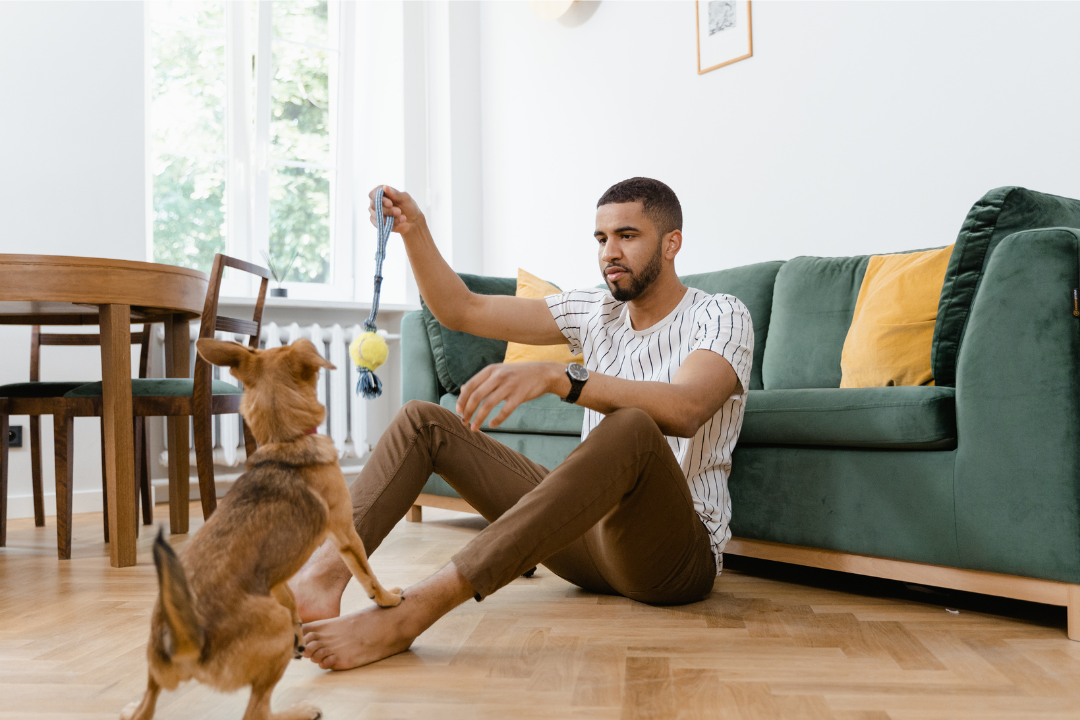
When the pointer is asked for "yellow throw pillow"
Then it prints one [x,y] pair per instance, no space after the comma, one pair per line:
[530,286]
[889,340]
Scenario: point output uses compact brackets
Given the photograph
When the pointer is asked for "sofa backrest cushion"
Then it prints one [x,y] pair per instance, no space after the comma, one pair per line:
[459,356]
[998,214]
[753,284]
[813,303]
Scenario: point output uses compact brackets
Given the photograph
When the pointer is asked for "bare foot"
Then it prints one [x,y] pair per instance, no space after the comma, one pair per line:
[318,585]
[357,639]
[375,633]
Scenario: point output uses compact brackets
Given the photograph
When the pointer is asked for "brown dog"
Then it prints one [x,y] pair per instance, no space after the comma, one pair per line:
[225,616]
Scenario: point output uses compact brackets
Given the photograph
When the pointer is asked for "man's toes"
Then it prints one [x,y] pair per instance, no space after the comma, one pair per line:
[318,655]
[310,648]
[328,662]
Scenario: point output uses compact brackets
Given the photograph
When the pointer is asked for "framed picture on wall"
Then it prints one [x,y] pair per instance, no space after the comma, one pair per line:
[724,35]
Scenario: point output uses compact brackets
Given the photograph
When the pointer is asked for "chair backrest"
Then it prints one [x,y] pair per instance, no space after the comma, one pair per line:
[39,339]
[213,322]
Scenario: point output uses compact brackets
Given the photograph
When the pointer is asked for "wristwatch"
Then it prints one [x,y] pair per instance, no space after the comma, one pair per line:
[578,375]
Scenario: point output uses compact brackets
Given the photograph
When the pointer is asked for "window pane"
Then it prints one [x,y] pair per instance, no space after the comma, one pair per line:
[189,210]
[300,143]
[303,21]
[300,222]
[300,120]
[188,89]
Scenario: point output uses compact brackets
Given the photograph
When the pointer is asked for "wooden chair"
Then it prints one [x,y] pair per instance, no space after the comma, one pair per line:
[200,398]
[36,398]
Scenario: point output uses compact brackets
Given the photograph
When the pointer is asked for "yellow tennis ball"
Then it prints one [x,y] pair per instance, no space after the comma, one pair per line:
[368,350]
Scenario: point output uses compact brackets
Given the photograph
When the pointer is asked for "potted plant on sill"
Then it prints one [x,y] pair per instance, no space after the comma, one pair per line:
[280,273]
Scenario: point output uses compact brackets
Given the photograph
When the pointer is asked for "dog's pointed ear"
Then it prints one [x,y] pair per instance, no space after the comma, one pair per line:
[225,354]
[304,351]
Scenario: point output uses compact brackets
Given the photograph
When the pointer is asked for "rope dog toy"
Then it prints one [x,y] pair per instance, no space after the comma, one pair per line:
[368,349]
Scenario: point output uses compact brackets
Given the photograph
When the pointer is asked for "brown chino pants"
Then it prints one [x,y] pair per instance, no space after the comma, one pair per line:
[615,517]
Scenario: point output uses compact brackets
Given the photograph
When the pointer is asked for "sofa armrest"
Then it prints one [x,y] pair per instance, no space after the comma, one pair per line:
[1017,481]
[418,378]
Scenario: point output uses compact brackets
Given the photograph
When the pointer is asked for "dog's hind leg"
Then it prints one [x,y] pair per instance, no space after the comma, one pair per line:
[143,710]
[352,552]
[284,595]
[259,705]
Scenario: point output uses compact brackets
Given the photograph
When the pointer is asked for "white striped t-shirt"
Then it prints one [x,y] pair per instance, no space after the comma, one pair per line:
[598,326]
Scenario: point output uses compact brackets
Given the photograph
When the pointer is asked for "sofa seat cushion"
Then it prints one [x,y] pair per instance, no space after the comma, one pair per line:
[158,387]
[896,418]
[546,415]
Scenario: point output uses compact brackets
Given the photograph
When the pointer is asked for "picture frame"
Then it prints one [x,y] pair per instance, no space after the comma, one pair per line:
[724,33]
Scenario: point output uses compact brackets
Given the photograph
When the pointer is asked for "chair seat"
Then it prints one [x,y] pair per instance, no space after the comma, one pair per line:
[157,387]
[916,418]
[38,389]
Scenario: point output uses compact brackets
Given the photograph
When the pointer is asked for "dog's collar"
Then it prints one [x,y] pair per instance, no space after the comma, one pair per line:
[312,431]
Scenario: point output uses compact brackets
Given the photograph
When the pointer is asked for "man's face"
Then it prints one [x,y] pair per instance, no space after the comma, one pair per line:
[630,252]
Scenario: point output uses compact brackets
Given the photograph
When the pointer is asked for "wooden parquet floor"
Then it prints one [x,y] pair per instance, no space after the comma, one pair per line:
[771,641]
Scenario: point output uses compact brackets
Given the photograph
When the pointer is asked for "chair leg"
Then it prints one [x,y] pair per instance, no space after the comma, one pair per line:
[179,482]
[204,462]
[142,469]
[35,470]
[104,483]
[250,446]
[63,454]
[3,477]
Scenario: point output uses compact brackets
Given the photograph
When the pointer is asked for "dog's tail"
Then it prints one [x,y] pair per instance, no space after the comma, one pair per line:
[177,604]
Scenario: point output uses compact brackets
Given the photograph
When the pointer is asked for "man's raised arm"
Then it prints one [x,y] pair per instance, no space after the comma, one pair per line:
[502,317]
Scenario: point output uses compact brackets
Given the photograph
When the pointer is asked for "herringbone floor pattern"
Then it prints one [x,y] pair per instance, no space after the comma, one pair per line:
[72,644]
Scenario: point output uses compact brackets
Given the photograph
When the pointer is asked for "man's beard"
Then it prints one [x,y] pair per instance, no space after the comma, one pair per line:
[639,281]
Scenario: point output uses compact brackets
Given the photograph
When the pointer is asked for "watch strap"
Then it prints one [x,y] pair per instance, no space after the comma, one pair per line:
[575,389]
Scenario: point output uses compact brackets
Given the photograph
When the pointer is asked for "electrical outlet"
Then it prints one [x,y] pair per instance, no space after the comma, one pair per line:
[14,436]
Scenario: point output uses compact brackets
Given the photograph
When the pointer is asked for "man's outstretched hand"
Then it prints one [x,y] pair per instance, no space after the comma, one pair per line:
[400,205]
[515,383]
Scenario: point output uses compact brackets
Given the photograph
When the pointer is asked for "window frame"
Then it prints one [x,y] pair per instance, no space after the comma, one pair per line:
[248,161]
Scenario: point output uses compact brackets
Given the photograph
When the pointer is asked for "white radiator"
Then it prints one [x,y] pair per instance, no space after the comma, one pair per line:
[346,416]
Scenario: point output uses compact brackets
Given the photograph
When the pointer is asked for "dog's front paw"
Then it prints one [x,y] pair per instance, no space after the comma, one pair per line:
[300,712]
[388,598]
[129,712]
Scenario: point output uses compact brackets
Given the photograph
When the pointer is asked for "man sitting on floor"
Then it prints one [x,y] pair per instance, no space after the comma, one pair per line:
[640,508]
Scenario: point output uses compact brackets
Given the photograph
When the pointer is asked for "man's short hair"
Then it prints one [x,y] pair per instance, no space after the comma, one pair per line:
[658,201]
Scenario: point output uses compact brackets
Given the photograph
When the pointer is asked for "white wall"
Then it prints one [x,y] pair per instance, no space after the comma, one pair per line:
[855,128]
[73,181]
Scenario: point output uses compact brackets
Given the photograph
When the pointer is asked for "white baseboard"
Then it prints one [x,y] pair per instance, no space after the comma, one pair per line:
[82,501]
[86,501]
[223,482]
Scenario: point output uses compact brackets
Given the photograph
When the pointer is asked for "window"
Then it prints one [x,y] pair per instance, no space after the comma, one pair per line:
[245,133]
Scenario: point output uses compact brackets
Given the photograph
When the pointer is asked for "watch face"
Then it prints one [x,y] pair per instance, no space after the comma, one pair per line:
[577,371]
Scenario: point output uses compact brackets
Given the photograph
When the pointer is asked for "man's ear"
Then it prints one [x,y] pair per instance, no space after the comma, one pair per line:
[672,243]
[304,351]
[225,354]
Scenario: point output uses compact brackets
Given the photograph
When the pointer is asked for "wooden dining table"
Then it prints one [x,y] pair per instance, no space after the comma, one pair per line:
[113,294]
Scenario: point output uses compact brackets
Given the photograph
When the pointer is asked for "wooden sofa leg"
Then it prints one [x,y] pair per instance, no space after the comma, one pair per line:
[1074,612]
[415,514]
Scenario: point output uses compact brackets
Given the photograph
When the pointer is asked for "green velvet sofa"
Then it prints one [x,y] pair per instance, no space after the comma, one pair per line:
[972,484]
